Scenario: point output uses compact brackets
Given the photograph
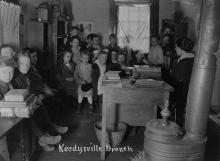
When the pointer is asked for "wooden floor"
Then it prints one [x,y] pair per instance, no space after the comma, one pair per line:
[82,134]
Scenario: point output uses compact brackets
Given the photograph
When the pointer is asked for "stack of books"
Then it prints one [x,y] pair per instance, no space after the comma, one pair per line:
[18,103]
[147,71]
[113,75]
[113,79]
[16,95]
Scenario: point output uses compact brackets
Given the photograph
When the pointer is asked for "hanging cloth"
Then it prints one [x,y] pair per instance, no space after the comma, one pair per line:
[9,23]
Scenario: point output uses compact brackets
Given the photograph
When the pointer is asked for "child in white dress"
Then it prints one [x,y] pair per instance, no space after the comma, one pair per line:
[83,76]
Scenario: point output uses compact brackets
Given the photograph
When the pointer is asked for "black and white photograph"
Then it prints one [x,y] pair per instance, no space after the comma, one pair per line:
[109,80]
[85,28]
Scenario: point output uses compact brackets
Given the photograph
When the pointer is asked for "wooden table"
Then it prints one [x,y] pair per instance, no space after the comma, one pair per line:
[130,104]
[6,124]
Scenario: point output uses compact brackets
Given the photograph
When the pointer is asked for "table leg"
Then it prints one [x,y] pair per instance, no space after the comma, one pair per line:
[112,117]
[23,151]
[104,118]
[4,149]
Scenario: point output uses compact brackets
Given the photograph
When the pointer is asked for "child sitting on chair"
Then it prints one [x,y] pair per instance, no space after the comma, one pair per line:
[83,76]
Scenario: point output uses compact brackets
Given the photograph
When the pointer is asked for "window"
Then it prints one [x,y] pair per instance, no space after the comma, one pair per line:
[134,26]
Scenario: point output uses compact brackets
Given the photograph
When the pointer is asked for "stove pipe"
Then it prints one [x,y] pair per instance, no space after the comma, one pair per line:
[201,84]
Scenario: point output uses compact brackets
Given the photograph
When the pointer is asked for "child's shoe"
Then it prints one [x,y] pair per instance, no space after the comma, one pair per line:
[49,140]
[61,129]
[48,148]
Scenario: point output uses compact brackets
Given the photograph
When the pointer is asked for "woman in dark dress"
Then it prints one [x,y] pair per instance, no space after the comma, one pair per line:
[181,74]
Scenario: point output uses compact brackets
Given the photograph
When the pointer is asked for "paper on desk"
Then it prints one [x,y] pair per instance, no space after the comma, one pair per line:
[112,72]
[112,83]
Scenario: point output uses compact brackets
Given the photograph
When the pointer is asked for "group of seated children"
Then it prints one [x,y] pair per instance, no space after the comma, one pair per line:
[17,71]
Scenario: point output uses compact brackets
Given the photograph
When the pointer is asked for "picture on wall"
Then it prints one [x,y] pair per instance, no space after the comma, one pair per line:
[85,28]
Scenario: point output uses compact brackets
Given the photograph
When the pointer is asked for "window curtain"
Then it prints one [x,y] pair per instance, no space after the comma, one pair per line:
[134,25]
[9,23]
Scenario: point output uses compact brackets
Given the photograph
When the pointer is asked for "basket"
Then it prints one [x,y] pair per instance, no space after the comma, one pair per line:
[113,138]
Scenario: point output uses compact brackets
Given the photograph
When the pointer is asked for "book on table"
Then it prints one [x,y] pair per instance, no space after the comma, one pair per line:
[113,78]
[148,72]
[16,95]
[19,104]
[112,83]
[113,75]
[18,109]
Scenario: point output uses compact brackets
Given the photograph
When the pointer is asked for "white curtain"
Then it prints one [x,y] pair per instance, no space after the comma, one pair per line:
[134,24]
[9,23]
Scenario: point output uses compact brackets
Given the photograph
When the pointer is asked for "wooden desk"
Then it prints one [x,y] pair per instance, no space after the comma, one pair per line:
[6,124]
[137,105]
